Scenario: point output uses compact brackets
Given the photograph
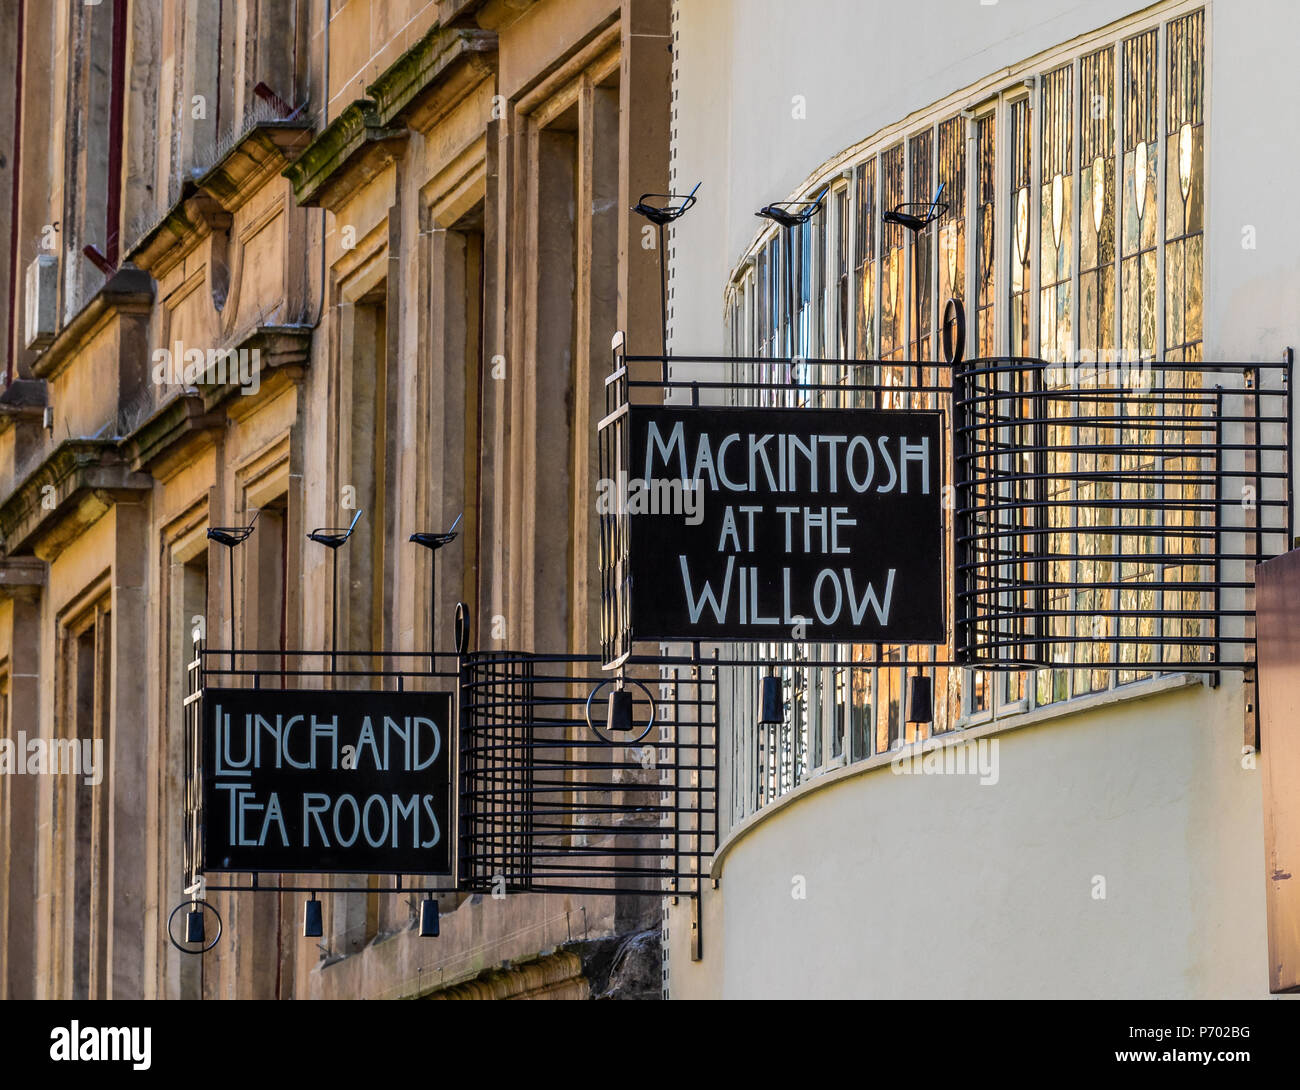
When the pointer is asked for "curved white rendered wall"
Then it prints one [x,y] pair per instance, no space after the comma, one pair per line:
[936,885]
[927,885]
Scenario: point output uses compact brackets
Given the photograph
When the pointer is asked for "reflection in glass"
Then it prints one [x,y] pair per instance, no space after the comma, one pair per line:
[891,261]
[985,336]
[1184,225]
[864,341]
[1021,137]
[920,151]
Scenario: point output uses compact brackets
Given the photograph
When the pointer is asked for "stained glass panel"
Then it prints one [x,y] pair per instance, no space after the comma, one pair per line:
[985,335]
[921,185]
[1140,212]
[952,222]
[865,250]
[892,295]
[1021,156]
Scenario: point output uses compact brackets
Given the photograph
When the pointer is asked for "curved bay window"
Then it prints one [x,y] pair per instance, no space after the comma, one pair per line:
[1103,241]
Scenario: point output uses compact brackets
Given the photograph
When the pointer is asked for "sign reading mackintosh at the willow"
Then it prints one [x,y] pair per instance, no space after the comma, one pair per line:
[816,524]
[330,782]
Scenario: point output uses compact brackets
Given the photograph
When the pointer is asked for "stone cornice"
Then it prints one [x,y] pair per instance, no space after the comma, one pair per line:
[359,143]
[23,577]
[207,202]
[69,490]
[281,349]
[283,354]
[128,291]
[195,216]
[263,153]
[173,422]
[23,400]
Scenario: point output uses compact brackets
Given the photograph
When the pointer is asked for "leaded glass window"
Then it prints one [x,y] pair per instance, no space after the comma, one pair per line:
[838,336]
[1096,345]
[1055,344]
[985,338]
[892,295]
[1019,204]
[864,340]
[1184,225]
[1097,206]
[1140,212]
[1184,187]
[920,151]
[951,253]
[1139,226]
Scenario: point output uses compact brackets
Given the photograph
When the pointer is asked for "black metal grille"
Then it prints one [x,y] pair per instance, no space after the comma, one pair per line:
[548,804]
[1105,516]
[1116,511]
[545,802]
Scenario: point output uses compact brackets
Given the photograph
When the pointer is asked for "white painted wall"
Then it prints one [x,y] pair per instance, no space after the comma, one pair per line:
[924,886]
[937,886]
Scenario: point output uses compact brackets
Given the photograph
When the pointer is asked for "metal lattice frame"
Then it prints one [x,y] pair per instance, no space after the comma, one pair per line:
[549,805]
[545,802]
[1173,479]
[1200,455]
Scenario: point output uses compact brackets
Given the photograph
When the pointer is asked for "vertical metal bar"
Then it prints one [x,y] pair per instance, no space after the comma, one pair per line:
[1259,472]
[1042,569]
[1218,522]
[334,611]
[663,302]
[433,610]
[959,523]
[231,550]
[1288,457]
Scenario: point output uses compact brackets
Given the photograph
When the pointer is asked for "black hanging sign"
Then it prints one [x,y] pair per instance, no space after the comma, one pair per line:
[327,782]
[785,524]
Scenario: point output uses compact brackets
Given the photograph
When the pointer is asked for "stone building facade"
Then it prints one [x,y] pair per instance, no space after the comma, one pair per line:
[412,218]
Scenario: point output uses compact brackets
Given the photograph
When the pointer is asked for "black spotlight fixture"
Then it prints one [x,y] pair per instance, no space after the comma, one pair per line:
[433,542]
[920,699]
[661,209]
[428,918]
[194,931]
[313,926]
[333,538]
[230,537]
[771,705]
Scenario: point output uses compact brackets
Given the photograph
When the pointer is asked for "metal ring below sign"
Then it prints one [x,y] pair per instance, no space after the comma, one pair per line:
[954,331]
[192,905]
[620,741]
